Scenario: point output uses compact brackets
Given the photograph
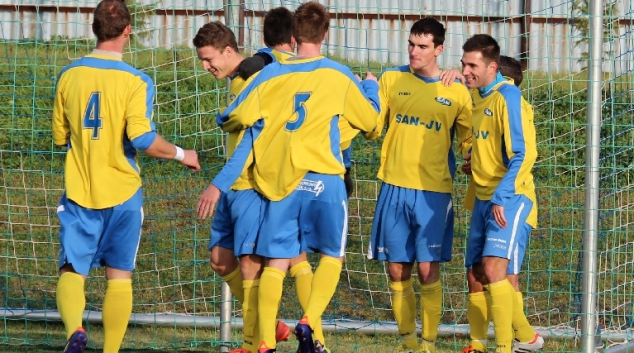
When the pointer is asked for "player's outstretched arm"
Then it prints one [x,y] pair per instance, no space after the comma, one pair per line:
[383,108]
[463,126]
[165,150]
[362,104]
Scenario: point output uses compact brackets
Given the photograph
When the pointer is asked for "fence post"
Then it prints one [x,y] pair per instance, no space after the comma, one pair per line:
[593,133]
[231,11]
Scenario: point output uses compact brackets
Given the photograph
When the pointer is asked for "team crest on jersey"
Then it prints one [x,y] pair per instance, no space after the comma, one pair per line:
[232,97]
[316,187]
[488,112]
[443,101]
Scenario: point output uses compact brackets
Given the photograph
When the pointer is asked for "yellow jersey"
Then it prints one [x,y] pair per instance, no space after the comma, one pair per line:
[504,145]
[422,116]
[103,112]
[297,111]
[245,180]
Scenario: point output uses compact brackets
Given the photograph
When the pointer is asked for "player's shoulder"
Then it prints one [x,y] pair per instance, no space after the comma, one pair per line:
[508,92]
[395,71]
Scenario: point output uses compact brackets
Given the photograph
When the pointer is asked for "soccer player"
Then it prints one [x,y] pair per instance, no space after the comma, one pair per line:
[295,109]
[413,220]
[526,339]
[504,211]
[235,226]
[102,112]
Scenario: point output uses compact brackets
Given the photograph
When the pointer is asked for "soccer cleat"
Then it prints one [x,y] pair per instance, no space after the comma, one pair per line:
[526,347]
[304,335]
[282,331]
[320,348]
[470,349]
[264,349]
[77,341]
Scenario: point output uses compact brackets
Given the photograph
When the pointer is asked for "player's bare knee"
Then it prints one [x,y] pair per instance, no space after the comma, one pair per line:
[251,266]
[472,282]
[113,273]
[494,268]
[400,271]
[222,260]
[300,258]
[428,272]
[515,281]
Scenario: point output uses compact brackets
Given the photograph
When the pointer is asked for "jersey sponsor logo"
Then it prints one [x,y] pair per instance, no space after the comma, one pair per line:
[415,121]
[479,134]
[443,101]
[404,93]
[488,112]
[314,186]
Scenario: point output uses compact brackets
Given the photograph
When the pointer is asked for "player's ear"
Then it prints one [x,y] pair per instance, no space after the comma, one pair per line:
[494,66]
[127,31]
[293,43]
[438,50]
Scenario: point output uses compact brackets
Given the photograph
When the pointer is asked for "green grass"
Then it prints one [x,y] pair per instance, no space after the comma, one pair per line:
[173,274]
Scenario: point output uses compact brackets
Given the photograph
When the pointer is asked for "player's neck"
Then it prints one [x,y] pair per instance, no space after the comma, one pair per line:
[309,50]
[115,45]
[235,61]
[430,70]
[283,47]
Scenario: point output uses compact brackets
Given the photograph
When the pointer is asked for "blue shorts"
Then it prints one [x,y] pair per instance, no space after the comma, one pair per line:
[313,218]
[237,221]
[486,238]
[94,238]
[412,225]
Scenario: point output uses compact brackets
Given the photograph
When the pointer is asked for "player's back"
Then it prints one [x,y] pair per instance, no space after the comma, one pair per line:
[301,102]
[101,104]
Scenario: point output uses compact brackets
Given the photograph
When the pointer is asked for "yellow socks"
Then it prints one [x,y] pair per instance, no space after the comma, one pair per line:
[523,330]
[503,300]
[117,308]
[478,316]
[250,315]
[234,280]
[71,301]
[269,296]
[431,311]
[324,286]
[404,308]
[303,274]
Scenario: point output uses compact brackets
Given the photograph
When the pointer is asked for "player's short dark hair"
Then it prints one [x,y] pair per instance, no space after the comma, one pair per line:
[111,17]
[484,44]
[310,23]
[512,68]
[431,26]
[278,26]
[217,35]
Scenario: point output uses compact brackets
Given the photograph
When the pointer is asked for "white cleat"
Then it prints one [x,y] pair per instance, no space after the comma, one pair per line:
[526,347]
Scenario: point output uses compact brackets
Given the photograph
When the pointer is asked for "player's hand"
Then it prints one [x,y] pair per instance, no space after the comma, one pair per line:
[466,167]
[371,77]
[449,76]
[207,202]
[191,160]
[498,215]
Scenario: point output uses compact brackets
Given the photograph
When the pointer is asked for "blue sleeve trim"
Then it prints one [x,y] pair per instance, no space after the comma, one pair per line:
[144,141]
[235,165]
[371,92]
[513,97]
